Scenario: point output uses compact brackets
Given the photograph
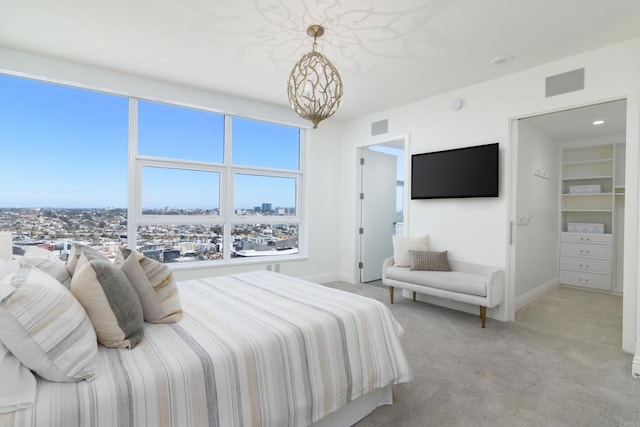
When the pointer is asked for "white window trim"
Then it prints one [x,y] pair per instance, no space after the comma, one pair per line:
[227,218]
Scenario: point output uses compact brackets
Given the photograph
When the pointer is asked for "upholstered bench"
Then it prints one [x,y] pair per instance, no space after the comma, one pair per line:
[466,282]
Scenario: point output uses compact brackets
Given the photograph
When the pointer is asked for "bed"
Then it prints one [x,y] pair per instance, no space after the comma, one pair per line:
[252,349]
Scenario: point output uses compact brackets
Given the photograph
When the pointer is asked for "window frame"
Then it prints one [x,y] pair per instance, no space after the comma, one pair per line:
[227,217]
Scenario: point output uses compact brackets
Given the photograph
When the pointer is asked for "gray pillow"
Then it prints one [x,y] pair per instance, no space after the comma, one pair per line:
[428,261]
[110,301]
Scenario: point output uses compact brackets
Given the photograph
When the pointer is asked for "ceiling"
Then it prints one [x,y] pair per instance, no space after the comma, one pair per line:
[388,52]
[576,124]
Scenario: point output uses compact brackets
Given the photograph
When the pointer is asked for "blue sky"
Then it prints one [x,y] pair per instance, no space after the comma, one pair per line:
[66,147]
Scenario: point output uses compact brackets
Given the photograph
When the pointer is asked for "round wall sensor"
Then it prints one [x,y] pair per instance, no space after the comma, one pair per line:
[456,104]
[503,59]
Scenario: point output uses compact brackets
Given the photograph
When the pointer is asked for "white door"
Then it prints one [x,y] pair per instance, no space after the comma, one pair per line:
[378,210]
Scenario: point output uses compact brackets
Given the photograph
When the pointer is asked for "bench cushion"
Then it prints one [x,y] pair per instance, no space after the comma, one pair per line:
[454,281]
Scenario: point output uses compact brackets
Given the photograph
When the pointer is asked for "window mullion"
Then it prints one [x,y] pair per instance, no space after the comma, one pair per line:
[227,208]
[133,181]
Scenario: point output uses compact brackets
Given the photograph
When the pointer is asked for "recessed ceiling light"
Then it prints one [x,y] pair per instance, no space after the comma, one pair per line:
[598,122]
[503,59]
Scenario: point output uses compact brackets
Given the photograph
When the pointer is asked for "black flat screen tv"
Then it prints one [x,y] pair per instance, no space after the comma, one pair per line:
[461,172]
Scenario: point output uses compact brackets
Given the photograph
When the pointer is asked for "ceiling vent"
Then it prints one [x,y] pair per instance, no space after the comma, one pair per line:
[378,128]
[570,81]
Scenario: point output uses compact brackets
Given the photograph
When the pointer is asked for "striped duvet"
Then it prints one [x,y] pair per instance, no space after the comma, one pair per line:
[253,349]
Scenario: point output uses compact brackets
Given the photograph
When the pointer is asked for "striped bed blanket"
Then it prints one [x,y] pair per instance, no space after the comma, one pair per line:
[253,349]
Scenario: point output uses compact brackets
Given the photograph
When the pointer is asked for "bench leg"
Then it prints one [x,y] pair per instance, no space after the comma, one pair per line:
[414,296]
[483,314]
[391,294]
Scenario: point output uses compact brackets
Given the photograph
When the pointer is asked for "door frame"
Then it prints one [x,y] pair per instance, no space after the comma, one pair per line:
[381,140]
[629,293]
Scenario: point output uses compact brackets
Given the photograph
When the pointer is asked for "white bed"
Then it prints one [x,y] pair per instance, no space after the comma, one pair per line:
[253,349]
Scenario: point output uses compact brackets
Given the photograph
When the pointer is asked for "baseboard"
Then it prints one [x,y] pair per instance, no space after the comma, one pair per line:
[536,293]
[635,366]
[348,278]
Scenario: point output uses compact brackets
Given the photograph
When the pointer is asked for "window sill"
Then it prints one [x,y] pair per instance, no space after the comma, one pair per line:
[265,260]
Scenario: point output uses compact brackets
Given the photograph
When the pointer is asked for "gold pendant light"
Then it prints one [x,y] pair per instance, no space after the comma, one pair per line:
[315,86]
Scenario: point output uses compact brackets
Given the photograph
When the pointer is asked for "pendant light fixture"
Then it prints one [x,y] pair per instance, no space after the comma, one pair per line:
[315,86]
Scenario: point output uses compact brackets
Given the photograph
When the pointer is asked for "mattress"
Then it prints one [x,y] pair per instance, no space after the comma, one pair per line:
[252,349]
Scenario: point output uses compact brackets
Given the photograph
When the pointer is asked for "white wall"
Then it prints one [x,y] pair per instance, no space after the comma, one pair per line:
[537,213]
[476,230]
[322,151]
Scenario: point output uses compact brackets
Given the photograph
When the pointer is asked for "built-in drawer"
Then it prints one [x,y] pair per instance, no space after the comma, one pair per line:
[592,239]
[585,251]
[597,281]
[585,265]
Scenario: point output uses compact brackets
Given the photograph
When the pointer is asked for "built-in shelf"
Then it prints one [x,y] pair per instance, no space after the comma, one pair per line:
[587,210]
[588,162]
[586,258]
[587,194]
[579,178]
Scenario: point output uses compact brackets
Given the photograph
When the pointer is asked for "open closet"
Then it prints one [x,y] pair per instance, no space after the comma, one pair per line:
[568,228]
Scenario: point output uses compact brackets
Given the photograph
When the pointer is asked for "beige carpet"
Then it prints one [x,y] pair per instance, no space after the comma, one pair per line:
[555,366]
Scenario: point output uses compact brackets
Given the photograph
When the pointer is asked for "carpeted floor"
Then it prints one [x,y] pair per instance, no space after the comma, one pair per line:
[551,367]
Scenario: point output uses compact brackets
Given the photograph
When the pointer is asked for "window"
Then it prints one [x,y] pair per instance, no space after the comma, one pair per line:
[276,195]
[187,185]
[63,169]
[175,191]
[265,145]
[202,202]
[179,133]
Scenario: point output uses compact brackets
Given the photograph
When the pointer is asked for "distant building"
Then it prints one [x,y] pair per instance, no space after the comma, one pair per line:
[153,254]
[266,207]
[169,255]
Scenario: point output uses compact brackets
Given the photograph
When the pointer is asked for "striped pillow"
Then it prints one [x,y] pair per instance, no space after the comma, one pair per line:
[54,268]
[428,261]
[78,249]
[154,284]
[45,327]
[110,301]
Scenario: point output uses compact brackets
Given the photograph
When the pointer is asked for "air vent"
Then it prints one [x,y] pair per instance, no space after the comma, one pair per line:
[378,128]
[570,81]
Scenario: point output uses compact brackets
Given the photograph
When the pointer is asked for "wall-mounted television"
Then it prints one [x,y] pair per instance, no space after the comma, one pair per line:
[461,172]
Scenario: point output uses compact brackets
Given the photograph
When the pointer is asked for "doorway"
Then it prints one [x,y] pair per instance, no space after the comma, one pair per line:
[555,156]
[381,204]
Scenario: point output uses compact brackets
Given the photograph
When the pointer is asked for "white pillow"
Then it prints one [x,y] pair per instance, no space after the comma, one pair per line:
[3,268]
[18,385]
[45,327]
[402,245]
[52,266]
[7,267]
